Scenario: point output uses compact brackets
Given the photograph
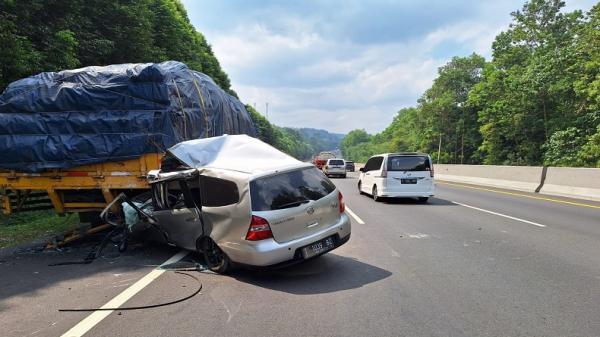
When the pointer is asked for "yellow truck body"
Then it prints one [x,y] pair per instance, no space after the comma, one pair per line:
[87,188]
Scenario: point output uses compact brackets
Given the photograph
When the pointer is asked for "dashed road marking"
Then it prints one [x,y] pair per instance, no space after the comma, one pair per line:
[97,316]
[500,214]
[354,216]
[417,236]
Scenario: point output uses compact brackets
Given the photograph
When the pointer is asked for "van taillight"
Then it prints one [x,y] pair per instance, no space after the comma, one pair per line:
[384,171]
[341,202]
[259,229]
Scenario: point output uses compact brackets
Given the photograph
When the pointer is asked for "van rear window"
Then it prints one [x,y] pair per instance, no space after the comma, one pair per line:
[408,163]
[289,189]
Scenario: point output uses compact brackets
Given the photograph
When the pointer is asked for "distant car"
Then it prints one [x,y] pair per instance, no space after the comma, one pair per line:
[239,201]
[398,175]
[335,167]
[321,159]
[350,166]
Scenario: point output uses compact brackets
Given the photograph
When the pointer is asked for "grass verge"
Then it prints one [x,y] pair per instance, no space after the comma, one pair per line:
[22,227]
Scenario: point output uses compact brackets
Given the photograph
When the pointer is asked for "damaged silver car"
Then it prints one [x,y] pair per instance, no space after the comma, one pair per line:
[239,201]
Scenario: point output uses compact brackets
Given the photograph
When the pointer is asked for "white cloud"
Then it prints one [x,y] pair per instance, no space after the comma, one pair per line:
[346,65]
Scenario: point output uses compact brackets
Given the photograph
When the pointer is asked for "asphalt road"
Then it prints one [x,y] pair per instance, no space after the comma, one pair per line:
[471,262]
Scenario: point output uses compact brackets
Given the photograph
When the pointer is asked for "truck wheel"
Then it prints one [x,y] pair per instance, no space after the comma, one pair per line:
[215,258]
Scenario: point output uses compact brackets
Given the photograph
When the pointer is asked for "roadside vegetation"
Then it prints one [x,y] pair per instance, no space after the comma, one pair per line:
[40,35]
[537,101]
[27,226]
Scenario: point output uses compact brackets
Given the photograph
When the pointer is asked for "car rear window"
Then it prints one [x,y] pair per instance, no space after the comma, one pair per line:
[289,189]
[408,163]
[336,162]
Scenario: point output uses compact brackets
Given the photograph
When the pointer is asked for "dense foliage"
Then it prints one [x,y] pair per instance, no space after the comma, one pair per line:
[301,143]
[536,102]
[52,35]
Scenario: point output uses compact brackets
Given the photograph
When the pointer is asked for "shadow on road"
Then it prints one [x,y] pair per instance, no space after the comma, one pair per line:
[26,272]
[325,274]
[411,201]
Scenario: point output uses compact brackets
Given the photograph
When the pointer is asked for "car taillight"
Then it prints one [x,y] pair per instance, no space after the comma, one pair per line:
[259,229]
[341,202]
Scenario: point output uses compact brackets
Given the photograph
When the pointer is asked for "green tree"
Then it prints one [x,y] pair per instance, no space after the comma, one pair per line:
[51,35]
[527,91]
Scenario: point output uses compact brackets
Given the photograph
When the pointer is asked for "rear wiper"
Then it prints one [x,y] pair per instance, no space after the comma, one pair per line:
[293,204]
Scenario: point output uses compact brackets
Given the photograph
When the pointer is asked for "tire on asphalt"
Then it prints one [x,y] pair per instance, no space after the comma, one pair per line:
[215,258]
[374,193]
[423,200]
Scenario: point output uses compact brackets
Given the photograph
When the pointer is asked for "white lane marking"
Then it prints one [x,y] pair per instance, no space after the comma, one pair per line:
[359,220]
[500,214]
[418,236]
[97,316]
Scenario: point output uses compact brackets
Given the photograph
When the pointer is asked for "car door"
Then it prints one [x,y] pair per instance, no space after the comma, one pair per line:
[176,211]
[369,173]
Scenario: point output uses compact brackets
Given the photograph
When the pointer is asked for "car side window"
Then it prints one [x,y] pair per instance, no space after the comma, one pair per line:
[367,165]
[373,164]
[168,195]
[215,192]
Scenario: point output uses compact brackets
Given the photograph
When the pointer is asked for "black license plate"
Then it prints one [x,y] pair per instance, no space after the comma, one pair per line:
[408,181]
[318,247]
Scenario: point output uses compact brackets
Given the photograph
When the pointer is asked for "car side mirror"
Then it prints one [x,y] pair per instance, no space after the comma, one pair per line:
[362,169]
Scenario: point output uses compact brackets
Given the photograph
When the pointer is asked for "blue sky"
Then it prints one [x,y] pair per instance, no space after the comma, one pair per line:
[342,65]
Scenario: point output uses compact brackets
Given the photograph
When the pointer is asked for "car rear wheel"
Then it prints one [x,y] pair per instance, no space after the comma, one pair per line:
[216,260]
[344,176]
[360,188]
[423,199]
[375,196]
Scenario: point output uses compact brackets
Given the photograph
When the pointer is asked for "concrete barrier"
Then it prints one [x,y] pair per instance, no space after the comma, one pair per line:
[573,182]
[521,178]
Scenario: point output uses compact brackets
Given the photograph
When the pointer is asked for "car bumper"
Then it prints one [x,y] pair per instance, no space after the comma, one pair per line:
[270,252]
[335,172]
[401,194]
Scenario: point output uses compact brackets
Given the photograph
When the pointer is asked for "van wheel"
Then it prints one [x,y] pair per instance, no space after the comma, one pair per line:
[375,196]
[423,199]
[216,260]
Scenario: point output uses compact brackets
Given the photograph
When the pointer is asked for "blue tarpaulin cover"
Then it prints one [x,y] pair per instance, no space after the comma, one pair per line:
[117,112]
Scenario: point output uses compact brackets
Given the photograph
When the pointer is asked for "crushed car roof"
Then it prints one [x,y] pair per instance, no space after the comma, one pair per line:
[233,152]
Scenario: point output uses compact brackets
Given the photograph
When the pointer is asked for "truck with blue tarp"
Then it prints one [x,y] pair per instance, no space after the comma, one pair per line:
[83,136]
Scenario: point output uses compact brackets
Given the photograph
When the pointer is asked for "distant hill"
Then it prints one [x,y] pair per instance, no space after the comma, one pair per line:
[301,143]
[321,140]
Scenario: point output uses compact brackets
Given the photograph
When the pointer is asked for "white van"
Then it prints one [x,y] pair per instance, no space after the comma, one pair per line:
[398,175]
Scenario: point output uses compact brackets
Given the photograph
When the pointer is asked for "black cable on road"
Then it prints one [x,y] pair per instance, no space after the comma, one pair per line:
[145,306]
